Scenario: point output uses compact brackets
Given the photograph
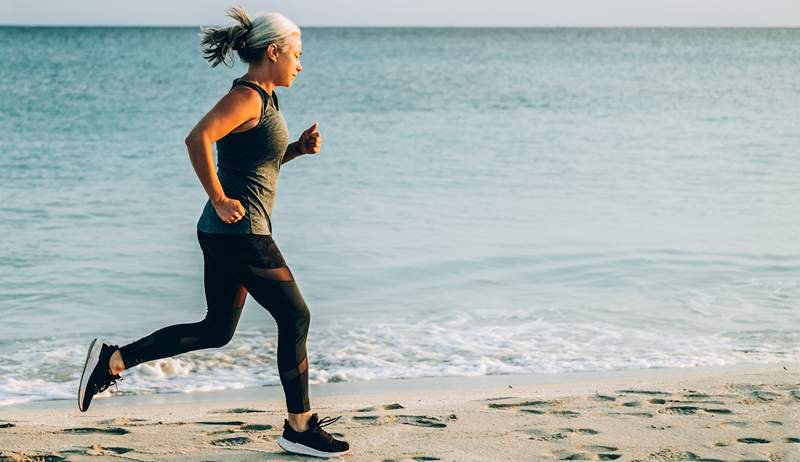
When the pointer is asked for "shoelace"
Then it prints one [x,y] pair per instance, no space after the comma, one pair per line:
[110,380]
[325,421]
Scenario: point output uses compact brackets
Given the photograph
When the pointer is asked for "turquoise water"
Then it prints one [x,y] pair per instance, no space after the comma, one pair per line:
[487,201]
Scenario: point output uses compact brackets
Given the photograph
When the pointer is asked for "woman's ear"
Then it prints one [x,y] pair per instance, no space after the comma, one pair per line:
[272,52]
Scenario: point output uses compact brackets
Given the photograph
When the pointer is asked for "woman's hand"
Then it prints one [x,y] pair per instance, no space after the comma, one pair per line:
[229,210]
[310,141]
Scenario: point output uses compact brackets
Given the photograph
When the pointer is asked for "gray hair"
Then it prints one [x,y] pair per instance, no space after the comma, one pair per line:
[248,37]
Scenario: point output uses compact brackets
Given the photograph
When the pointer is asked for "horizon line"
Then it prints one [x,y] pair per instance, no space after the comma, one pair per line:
[566,26]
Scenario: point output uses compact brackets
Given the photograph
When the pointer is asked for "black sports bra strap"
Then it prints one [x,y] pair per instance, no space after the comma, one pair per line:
[253,86]
[263,93]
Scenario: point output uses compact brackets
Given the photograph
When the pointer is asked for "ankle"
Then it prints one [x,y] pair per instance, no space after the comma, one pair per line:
[299,422]
[115,363]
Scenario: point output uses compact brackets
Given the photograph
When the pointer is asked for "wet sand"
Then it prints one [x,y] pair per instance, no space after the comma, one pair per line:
[743,413]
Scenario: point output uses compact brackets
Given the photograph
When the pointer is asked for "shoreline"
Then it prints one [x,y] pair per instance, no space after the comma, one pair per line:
[728,413]
[569,380]
[385,386]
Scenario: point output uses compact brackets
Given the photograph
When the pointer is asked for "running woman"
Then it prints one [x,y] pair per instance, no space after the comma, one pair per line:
[234,229]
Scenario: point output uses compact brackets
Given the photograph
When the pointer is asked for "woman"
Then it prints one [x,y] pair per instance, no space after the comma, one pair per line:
[234,229]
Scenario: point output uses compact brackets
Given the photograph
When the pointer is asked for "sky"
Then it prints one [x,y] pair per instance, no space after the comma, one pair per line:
[457,13]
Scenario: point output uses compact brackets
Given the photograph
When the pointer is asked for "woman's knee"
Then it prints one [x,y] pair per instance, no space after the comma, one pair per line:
[219,339]
[216,333]
[298,319]
[303,318]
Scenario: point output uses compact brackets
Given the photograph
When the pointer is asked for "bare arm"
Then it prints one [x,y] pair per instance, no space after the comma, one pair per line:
[238,107]
[310,142]
[292,152]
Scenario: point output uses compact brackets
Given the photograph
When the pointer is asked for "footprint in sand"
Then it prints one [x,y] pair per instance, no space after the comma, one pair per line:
[737,424]
[685,401]
[533,411]
[669,454]
[388,407]
[717,411]
[124,422]
[765,396]
[569,455]
[416,420]
[750,440]
[632,414]
[99,450]
[25,456]
[644,392]
[521,404]
[603,452]
[683,410]
[255,427]
[537,409]
[107,431]
[541,435]
[238,410]
[562,433]
[421,421]
[235,441]
[224,422]
[599,448]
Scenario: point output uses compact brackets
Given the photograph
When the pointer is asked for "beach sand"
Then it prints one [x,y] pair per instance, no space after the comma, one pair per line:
[742,413]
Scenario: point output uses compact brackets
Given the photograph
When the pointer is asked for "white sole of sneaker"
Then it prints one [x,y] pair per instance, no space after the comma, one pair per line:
[298,448]
[92,357]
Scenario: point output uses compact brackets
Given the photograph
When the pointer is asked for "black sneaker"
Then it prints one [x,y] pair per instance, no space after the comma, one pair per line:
[96,375]
[313,442]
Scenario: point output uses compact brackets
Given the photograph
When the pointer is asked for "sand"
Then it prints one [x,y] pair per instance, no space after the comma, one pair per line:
[743,413]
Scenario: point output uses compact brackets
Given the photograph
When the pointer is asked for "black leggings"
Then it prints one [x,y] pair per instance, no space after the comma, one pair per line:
[236,264]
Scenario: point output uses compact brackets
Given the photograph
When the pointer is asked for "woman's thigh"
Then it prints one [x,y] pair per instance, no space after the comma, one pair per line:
[252,261]
[223,286]
[268,279]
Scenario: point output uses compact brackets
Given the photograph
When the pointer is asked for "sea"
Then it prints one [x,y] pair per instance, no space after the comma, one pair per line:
[486,201]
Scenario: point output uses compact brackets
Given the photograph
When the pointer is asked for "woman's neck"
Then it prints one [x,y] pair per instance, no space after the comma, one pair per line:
[261,78]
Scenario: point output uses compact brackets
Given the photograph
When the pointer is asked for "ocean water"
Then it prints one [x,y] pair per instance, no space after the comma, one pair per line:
[487,201]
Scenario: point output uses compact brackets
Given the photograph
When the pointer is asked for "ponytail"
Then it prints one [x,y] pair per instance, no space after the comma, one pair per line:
[248,37]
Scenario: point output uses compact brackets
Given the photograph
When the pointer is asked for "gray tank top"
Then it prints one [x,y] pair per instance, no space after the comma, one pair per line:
[248,164]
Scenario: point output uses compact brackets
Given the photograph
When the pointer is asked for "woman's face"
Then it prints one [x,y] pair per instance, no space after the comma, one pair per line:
[287,66]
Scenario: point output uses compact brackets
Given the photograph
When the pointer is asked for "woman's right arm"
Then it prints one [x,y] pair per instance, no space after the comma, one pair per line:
[238,107]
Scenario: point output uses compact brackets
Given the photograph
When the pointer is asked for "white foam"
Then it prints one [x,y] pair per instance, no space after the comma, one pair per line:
[480,342]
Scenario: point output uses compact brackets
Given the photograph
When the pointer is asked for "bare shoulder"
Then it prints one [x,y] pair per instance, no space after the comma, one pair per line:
[243,95]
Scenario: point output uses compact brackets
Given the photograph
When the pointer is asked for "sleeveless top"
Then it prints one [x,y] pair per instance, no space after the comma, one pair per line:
[248,163]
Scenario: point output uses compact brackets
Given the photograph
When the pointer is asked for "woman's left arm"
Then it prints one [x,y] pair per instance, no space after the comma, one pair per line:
[310,142]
